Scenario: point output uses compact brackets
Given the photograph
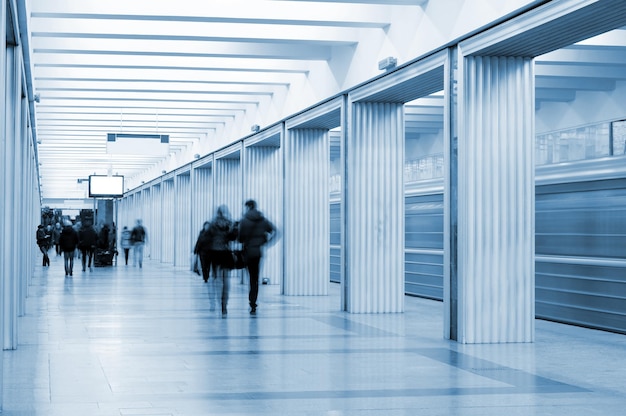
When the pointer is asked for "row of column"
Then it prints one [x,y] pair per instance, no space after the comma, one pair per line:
[489,266]
[20,211]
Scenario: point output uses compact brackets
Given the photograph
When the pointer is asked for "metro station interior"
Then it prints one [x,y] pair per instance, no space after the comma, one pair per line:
[448,178]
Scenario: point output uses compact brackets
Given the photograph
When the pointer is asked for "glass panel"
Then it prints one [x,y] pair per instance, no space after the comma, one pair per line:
[619,137]
[427,167]
[580,143]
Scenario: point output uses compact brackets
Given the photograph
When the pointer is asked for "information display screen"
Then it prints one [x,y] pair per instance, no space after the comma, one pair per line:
[106,186]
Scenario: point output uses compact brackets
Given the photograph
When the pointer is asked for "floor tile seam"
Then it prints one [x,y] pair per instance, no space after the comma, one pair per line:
[358,393]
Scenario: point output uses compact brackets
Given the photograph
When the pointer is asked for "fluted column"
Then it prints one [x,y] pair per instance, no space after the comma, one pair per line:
[10,212]
[374,212]
[306,236]
[495,182]
[202,197]
[263,182]
[182,248]
[228,187]
[4,250]
[169,212]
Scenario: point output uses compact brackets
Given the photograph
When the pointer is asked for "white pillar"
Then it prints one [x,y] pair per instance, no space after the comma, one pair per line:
[264,183]
[4,251]
[228,187]
[374,208]
[12,196]
[168,215]
[182,248]
[495,182]
[306,238]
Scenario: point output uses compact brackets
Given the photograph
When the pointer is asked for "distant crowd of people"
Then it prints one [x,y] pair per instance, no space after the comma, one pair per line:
[213,248]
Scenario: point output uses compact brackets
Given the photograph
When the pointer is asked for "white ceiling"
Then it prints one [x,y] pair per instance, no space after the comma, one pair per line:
[204,71]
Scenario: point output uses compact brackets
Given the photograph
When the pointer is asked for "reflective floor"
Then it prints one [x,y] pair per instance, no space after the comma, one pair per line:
[128,341]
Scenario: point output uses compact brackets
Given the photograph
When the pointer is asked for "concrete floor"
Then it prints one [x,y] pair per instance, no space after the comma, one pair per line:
[122,340]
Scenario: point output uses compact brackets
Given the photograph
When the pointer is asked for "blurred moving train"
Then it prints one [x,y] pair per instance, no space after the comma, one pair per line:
[580,242]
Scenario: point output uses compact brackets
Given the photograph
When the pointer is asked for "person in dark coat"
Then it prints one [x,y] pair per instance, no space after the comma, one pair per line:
[202,249]
[139,237]
[68,241]
[42,242]
[87,241]
[56,233]
[222,232]
[254,232]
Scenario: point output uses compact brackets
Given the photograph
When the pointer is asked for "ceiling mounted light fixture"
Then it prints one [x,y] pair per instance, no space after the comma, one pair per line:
[388,63]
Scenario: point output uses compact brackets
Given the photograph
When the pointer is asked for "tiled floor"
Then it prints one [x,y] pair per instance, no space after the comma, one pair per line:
[127,341]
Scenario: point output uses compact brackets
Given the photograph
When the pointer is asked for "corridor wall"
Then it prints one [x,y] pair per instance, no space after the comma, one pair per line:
[20,213]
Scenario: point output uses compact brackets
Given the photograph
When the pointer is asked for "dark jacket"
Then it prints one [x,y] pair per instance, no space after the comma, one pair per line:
[222,232]
[203,243]
[87,238]
[138,235]
[42,236]
[254,231]
[68,240]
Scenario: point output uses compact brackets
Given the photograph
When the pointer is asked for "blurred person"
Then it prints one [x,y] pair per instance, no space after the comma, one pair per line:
[138,236]
[87,241]
[56,233]
[126,243]
[68,241]
[202,249]
[222,231]
[42,242]
[255,231]
[49,235]
[104,237]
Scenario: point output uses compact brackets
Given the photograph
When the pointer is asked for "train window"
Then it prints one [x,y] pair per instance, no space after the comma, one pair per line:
[579,143]
[618,136]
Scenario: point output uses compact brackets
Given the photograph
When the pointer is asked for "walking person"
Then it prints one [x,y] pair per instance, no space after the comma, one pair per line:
[56,233]
[87,241]
[255,231]
[138,236]
[222,231]
[126,243]
[68,241]
[202,249]
[42,241]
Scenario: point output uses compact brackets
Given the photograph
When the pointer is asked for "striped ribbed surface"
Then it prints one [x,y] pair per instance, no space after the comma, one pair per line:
[496,202]
[264,183]
[11,228]
[169,211]
[182,218]
[202,200]
[307,224]
[152,218]
[375,209]
[228,187]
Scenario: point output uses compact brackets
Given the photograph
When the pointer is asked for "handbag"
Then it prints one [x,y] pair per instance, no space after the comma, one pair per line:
[238,261]
[196,265]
